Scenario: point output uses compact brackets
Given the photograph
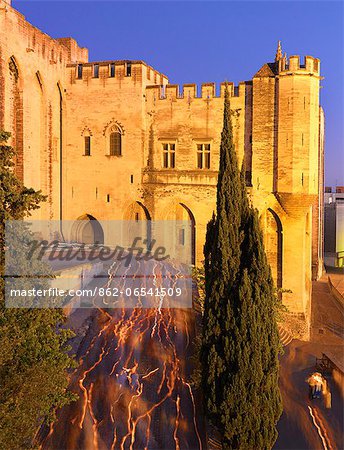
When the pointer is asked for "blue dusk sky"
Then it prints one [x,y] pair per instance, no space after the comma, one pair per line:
[199,41]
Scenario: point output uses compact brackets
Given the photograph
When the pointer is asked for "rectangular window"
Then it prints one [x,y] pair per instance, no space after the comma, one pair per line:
[79,70]
[169,155]
[203,156]
[96,70]
[165,160]
[128,69]
[87,145]
[199,160]
[112,70]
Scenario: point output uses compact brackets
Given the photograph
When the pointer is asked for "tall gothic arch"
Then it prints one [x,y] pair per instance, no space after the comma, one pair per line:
[274,246]
[15,115]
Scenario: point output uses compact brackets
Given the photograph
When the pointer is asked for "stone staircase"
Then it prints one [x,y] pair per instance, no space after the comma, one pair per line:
[214,444]
[285,336]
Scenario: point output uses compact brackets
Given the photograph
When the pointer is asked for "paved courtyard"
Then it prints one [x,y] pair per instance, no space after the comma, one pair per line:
[309,424]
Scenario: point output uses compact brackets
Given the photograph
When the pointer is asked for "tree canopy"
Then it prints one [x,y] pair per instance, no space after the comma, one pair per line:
[34,354]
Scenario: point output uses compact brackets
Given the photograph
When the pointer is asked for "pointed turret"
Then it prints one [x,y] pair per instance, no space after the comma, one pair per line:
[279,52]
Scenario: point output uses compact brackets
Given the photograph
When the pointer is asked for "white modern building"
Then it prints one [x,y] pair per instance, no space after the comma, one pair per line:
[334,227]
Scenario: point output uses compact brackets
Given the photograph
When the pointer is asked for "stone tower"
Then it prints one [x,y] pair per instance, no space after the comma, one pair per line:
[287,136]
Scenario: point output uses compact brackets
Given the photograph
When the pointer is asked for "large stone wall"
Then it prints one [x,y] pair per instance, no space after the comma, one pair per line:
[102,185]
[53,101]
[32,79]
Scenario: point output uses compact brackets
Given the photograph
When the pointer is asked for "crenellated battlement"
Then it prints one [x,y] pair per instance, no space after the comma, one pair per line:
[115,69]
[192,91]
[38,44]
[292,64]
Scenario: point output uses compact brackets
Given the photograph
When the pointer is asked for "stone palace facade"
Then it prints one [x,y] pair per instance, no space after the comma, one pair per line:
[114,140]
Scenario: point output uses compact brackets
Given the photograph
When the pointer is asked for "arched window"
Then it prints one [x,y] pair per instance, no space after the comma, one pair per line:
[115,143]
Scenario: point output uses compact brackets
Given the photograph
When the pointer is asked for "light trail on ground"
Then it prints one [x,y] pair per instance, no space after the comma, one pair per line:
[133,379]
[321,429]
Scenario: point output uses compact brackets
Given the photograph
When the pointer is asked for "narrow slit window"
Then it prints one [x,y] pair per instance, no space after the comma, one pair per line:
[87,140]
[137,217]
[96,70]
[115,143]
[112,70]
[128,69]
[182,237]
[108,198]
[79,70]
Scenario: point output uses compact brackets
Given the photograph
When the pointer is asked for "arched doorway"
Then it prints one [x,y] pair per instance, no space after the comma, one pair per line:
[186,228]
[137,224]
[274,246]
[87,230]
[193,233]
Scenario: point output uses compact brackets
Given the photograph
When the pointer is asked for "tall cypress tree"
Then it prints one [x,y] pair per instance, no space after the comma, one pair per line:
[240,340]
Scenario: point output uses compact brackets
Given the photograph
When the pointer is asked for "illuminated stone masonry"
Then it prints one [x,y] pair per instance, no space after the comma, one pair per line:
[112,140]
